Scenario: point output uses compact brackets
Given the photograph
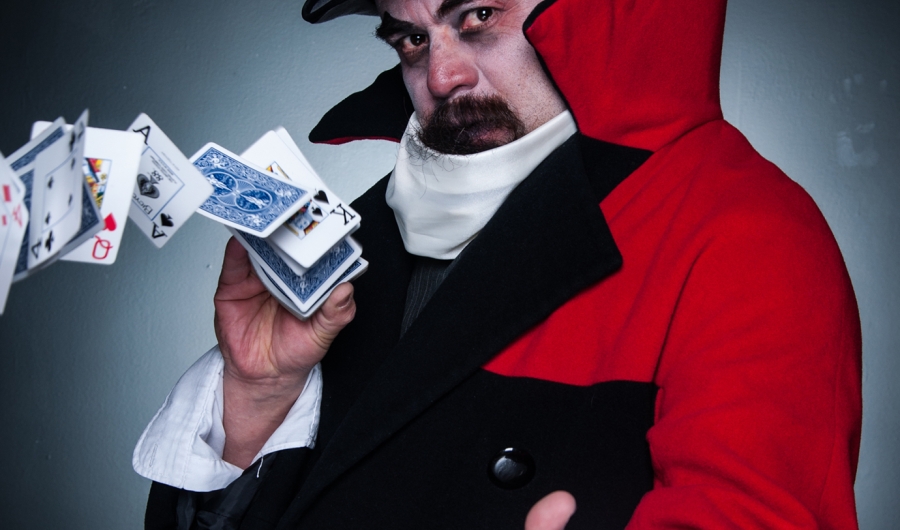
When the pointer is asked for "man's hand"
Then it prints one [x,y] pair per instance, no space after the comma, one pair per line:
[268,352]
[552,512]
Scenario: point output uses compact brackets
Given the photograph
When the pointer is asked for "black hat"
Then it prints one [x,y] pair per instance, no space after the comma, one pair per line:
[321,10]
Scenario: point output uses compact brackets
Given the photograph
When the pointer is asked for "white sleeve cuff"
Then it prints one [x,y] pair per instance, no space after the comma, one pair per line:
[182,446]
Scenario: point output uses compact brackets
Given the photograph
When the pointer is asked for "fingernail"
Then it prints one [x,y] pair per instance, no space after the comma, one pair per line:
[346,301]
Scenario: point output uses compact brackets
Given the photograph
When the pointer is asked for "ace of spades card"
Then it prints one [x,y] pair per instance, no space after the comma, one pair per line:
[167,189]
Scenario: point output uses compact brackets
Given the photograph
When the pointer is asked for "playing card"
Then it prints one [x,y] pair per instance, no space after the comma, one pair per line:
[91,220]
[355,271]
[50,168]
[274,290]
[168,188]
[58,206]
[21,270]
[110,166]
[321,222]
[271,152]
[13,223]
[304,291]
[246,197]
[297,269]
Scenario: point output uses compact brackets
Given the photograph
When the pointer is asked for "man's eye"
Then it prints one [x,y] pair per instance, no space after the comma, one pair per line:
[410,43]
[476,17]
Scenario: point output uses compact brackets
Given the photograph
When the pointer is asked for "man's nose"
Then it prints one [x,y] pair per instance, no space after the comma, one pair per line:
[451,67]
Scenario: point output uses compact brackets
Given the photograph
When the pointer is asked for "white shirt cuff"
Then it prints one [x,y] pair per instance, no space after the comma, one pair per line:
[182,446]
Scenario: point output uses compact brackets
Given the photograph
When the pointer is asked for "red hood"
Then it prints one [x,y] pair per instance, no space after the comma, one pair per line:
[638,73]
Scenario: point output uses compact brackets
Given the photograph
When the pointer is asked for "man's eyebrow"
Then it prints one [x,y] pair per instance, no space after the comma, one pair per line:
[448,6]
[390,26]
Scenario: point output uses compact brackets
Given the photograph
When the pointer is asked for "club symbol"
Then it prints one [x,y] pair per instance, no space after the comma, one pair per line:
[166,220]
[321,196]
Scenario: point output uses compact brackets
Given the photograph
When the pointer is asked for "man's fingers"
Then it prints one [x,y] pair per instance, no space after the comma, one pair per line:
[334,314]
[235,265]
[552,512]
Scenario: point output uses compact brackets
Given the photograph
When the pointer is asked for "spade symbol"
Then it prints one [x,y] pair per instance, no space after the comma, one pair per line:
[321,197]
[72,165]
[317,211]
[71,198]
[50,183]
[49,243]
[147,187]
[72,142]
[47,219]
[166,220]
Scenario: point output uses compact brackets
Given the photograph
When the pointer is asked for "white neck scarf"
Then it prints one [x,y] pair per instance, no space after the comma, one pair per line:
[441,201]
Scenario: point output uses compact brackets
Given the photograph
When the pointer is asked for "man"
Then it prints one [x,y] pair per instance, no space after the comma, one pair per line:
[638,312]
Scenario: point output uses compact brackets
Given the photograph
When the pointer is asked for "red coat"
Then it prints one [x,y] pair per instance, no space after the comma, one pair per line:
[733,297]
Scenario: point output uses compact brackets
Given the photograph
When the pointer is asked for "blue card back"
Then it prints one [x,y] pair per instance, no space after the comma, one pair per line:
[243,196]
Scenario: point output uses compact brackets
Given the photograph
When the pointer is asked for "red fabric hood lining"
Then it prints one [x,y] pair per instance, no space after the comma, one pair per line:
[647,70]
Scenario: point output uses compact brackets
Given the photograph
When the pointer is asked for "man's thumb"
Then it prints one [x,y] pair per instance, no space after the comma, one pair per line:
[334,314]
[552,512]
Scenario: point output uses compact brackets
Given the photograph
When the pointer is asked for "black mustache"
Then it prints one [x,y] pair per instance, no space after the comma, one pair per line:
[457,126]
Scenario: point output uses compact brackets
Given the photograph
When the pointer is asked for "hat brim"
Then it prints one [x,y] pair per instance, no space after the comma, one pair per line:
[316,11]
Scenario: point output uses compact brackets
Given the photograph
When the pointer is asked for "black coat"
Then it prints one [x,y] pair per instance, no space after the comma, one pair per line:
[414,433]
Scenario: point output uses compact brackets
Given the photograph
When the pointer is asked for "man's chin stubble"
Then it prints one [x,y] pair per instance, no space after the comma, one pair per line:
[469,125]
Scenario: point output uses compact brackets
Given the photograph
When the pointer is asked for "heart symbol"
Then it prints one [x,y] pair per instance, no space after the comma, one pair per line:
[321,197]
[147,187]
[166,220]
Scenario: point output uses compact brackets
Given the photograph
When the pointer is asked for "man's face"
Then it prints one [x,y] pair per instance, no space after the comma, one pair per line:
[475,81]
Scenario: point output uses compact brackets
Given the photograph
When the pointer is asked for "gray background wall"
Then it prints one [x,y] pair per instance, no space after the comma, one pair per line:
[87,353]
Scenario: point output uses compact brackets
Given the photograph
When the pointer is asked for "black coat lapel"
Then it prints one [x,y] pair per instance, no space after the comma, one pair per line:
[547,242]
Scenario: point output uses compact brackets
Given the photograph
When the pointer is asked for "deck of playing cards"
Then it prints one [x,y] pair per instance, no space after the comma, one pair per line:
[295,229]
[65,195]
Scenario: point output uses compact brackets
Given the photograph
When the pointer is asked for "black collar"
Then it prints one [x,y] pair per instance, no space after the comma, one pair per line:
[380,111]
